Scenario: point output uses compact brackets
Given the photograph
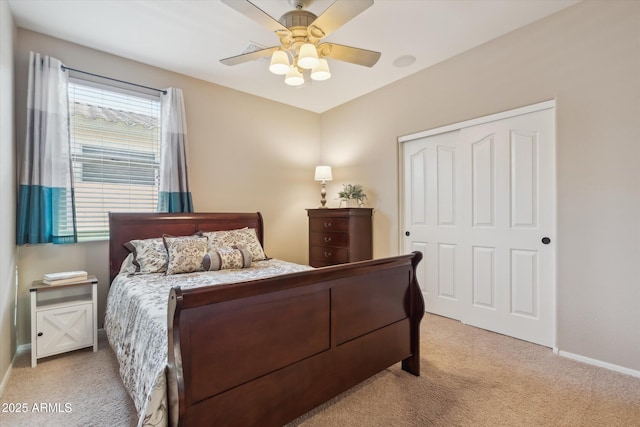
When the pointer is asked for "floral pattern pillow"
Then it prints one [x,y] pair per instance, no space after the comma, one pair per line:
[149,255]
[245,237]
[185,253]
[227,258]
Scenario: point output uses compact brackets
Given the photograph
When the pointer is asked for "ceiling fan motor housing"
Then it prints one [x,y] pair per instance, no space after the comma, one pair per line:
[297,18]
[297,21]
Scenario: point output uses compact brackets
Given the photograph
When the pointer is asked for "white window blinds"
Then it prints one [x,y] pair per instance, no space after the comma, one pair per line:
[115,151]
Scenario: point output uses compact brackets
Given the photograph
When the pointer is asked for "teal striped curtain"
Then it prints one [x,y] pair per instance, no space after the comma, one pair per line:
[174,195]
[45,197]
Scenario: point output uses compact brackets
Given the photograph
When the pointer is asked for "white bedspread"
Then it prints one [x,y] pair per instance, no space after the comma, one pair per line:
[136,325]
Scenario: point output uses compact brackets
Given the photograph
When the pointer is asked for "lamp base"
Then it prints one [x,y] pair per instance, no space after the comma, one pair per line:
[323,194]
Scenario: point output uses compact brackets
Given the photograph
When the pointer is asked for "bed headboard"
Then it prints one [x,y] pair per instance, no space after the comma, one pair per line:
[128,226]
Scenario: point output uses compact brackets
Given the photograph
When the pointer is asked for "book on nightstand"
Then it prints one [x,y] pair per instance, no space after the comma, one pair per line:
[64,277]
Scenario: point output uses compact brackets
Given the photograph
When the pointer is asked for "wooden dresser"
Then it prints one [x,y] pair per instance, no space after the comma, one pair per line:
[338,236]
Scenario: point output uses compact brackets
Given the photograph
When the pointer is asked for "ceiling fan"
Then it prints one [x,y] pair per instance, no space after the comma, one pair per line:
[300,33]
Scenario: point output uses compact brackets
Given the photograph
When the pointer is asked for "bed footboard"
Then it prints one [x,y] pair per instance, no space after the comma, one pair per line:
[264,352]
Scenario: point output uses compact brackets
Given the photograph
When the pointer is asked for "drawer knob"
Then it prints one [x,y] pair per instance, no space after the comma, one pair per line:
[327,224]
[40,334]
[327,239]
[327,254]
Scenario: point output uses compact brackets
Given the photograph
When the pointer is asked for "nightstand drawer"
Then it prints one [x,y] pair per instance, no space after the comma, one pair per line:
[329,255]
[63,329]
[329,239]
[328,224]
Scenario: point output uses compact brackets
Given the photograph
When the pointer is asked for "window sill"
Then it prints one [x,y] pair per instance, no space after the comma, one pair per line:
[92,239]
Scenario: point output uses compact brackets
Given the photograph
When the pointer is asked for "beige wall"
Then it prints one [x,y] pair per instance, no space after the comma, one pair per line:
[245,154]
[587,58]
[7,195]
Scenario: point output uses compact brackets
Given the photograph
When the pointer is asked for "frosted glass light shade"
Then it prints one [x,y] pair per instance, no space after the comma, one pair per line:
[279,62]
[321,71]
[308,56]
[323,173]
[294,77]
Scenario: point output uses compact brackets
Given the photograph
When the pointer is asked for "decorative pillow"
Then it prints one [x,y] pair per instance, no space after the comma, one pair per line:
[185,253]
[149,255]
[127,265]
[227,258]
[246,237]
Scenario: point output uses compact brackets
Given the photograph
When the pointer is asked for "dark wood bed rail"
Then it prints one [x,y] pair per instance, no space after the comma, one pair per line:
[264,352]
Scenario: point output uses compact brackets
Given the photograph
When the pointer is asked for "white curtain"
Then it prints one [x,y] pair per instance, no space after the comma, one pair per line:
[45,200]
[174,195]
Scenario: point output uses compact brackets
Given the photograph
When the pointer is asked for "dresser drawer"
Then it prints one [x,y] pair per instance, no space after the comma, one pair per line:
[328,224]
[329,255]
[329,239]
[338,236]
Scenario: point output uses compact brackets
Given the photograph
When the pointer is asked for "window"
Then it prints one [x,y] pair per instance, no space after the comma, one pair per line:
[115,153]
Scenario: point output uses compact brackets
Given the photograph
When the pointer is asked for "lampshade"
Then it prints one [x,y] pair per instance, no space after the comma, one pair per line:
[279,62]
[323,173]
[308,56]
[294,77]
[321,71]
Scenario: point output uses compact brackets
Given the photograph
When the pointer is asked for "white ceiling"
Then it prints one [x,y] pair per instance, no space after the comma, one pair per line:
[191,36]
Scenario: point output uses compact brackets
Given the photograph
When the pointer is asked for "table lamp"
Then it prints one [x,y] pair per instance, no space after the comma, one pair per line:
[323,174]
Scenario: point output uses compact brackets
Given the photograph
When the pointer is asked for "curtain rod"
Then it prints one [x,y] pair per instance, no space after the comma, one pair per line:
[64,67]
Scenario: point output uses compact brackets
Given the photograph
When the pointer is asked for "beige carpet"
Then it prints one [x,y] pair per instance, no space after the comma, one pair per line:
[80,388]
[469,377]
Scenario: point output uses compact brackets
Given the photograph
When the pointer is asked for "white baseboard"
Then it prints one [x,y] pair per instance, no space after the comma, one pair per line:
[5,379]
[7,375]
[599,363]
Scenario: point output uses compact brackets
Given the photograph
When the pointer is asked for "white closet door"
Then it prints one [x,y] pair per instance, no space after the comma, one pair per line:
[478,202]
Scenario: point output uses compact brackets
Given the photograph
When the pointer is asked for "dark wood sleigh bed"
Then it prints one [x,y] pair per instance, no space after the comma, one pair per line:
[264,352]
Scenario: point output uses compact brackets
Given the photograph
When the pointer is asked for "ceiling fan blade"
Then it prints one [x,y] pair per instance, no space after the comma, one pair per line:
[252,11]
[354,55]
[338,14]
[251,56]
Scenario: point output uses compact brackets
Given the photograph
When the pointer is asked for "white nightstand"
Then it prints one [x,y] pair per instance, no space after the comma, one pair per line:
[63,317]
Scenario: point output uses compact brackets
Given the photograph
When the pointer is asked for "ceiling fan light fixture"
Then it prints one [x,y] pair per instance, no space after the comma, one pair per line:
[294,77]
[279,62]
[321,71]
[308,56]
[300,31]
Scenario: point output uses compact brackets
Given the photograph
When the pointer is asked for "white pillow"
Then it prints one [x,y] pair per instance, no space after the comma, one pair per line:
[127,265]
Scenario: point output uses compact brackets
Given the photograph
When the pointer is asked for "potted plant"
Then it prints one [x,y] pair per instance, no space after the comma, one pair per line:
[353,195]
